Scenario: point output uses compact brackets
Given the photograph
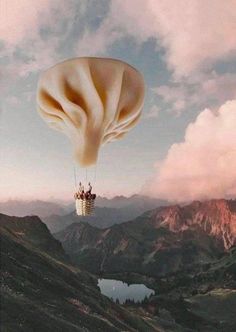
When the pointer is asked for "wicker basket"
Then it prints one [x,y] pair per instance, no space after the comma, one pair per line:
[85,207]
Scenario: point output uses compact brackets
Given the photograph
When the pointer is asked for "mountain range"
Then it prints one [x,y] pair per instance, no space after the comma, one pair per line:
[20,208]
[42,291]
[108,212]
[187,254]
[159,242]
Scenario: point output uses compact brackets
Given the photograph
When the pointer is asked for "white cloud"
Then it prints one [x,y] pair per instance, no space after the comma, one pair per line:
[204,165]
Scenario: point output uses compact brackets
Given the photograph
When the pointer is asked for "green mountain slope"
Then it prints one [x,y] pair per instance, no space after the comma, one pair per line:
[42,292]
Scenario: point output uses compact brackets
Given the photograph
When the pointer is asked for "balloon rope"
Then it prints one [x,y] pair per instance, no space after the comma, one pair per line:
[95,174]
[75,178]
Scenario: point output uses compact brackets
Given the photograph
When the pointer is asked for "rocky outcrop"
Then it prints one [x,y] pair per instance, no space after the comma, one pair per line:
[159,242]
[35,232]
[216,218]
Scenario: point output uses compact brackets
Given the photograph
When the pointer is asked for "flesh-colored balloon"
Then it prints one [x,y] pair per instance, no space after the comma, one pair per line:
[91,100]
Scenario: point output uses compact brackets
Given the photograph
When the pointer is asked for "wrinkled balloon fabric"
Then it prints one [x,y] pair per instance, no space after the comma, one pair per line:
[91,100]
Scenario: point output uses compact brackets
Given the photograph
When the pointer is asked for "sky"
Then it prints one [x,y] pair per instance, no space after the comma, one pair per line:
[184,147]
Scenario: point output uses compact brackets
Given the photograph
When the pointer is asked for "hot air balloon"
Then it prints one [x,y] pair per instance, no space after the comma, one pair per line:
[92,101]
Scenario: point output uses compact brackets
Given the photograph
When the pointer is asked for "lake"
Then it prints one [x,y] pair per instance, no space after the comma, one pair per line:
[116,289]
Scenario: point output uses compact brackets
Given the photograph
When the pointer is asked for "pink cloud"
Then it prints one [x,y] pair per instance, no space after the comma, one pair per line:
[96,43]
[194,33]
[217,88]
[20,27]
[177,96]
[203,166]
[222,87]
[21,19]
[153,113]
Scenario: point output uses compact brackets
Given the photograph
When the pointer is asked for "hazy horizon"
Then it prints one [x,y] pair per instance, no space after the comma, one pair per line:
[71,199]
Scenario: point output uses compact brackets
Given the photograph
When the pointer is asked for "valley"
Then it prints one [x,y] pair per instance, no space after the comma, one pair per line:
[185,254]
[41,291]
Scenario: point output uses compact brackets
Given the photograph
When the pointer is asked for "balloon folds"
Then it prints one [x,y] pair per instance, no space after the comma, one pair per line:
[91,100]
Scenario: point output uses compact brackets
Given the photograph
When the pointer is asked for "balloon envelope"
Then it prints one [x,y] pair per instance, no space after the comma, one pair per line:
[91,100]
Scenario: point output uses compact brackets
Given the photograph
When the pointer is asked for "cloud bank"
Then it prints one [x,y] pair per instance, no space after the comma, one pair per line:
[193,33]
[204,165]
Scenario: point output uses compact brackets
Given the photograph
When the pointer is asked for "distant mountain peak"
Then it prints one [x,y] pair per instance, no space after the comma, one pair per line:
[161,241]
[22,208]
[216,217]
